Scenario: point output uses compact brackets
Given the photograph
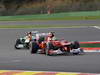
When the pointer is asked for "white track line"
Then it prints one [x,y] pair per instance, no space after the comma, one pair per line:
[97,27]
[97,51]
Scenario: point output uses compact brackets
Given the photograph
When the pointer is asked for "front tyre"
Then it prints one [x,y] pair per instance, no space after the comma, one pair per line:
[17,43]
[34,47]
[49,47]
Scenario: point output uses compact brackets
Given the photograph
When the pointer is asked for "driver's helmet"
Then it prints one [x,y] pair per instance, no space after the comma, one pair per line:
[51,34]
[28,33]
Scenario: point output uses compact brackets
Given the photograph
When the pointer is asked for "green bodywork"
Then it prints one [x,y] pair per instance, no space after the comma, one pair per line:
[22,39]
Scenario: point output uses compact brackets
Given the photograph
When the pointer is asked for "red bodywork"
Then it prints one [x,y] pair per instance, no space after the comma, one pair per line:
[60,43]
[65,45]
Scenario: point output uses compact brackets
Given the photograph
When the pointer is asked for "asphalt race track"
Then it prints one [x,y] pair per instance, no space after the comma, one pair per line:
[12,59]
[60,22]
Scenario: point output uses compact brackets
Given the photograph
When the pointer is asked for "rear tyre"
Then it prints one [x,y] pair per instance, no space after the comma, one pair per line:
[76,45]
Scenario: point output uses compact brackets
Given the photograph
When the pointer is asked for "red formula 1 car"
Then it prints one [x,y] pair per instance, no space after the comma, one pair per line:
[56,47]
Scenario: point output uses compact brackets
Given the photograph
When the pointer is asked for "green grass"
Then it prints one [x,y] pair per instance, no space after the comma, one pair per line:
[89,15]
